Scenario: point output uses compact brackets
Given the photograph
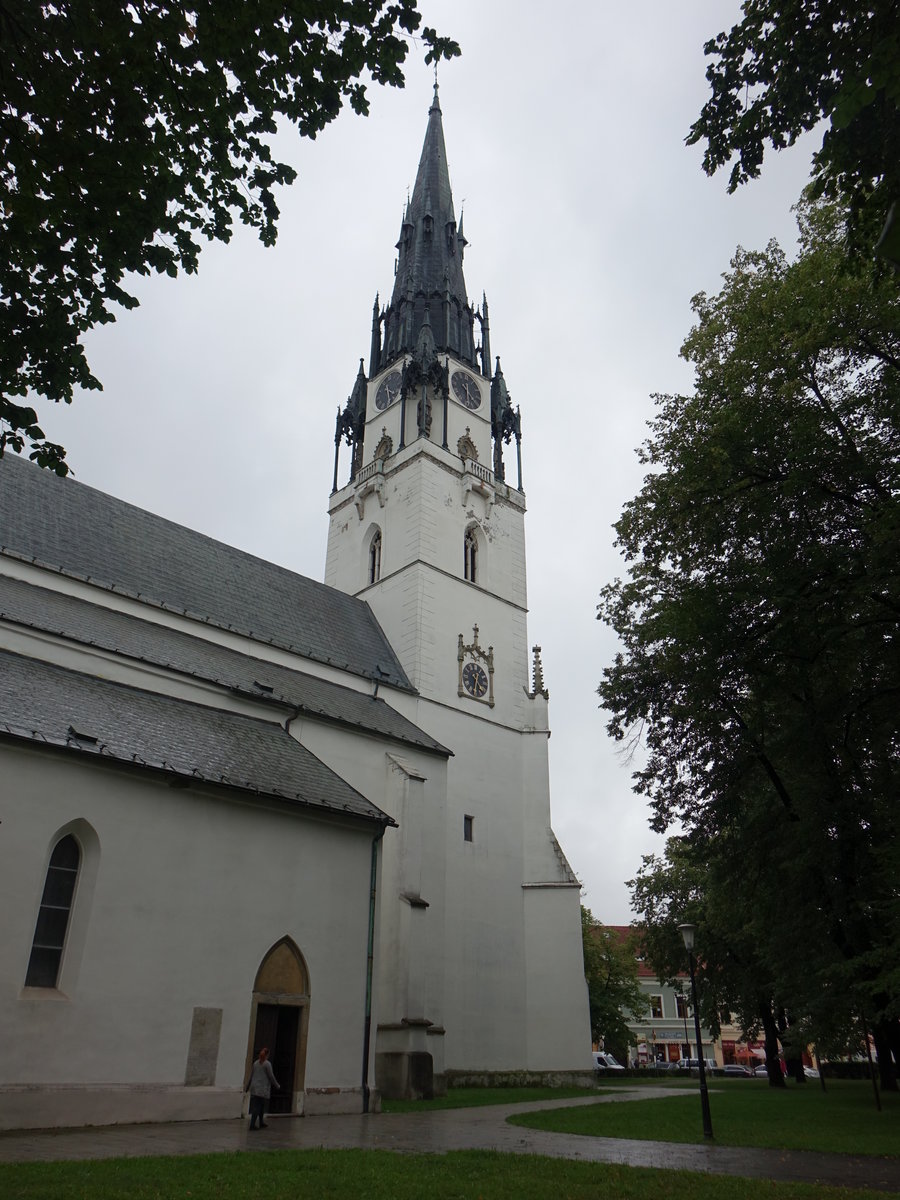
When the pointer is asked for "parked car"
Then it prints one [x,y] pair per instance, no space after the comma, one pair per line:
[738,1070]
[761,1071]
[810,1072]
[605,1062]
[693,1064]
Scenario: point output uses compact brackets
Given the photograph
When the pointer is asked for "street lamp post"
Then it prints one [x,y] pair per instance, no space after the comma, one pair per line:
[687,1040]
[687,932]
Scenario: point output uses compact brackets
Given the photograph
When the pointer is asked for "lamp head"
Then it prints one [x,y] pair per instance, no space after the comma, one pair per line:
[687,932]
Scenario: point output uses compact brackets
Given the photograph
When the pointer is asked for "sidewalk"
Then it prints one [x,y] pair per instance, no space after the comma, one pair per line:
[451,1129]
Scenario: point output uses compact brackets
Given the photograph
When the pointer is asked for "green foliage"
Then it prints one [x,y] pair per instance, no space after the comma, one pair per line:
[745,1112]
[673,889]
[718,886]
[789,63]
[131,133]
[761,660]
[610,968]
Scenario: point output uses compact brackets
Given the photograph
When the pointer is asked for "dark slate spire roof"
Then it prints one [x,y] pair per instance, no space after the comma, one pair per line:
[429,275]
[88,535]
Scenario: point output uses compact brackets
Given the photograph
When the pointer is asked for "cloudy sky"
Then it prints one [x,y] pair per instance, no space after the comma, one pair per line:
[590,226]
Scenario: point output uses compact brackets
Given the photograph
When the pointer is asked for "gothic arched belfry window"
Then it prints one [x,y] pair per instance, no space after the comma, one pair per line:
[375,558]
[470,554]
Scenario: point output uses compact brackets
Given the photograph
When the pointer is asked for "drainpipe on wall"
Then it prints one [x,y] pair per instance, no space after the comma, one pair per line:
[370,963]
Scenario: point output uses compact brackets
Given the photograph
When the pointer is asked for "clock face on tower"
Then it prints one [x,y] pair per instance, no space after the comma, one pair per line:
[466,389]
[475,681]
[388,390]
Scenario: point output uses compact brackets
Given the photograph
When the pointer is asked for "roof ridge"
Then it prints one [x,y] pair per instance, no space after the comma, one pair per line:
[74,529]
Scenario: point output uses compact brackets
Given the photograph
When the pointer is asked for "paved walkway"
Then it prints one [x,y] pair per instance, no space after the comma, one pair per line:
[453,1129]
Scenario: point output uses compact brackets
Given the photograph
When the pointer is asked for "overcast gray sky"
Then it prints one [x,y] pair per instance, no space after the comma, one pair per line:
[590,226]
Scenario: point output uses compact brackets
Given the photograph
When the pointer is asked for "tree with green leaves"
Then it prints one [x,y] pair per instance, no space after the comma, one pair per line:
[610,968]
[789,64]
[132,132]
[760,620]
[721,886]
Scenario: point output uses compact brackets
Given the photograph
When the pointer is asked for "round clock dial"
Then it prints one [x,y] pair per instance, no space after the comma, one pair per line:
[388,390]
[474,680]
[466,389]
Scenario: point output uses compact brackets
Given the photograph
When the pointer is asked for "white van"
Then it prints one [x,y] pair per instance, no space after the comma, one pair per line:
[605,1062]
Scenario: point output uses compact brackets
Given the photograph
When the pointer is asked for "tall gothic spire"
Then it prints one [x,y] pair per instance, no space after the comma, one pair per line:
[429,276]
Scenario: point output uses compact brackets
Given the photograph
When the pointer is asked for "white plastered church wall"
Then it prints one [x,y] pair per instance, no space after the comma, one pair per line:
[515,997]
[189,896]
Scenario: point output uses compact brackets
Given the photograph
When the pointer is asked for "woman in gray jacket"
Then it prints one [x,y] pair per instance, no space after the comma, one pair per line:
[259,1085]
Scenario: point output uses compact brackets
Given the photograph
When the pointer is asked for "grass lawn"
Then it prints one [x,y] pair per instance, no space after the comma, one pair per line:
[746,1112]
[473,1097]
[381,1175]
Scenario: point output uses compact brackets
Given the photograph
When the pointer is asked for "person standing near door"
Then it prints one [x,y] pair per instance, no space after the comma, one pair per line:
[259,1085]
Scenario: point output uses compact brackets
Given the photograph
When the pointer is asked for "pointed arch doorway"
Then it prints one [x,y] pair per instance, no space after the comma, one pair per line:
[279,1019]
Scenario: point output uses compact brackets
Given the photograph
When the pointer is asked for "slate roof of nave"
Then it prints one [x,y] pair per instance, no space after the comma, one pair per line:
[87,534]
[147,642]
[57,707]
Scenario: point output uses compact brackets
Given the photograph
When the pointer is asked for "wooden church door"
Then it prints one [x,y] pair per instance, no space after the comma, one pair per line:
[278,1027]
[280,1010]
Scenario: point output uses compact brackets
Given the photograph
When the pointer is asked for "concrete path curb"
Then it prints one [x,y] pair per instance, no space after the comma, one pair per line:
[452,1129]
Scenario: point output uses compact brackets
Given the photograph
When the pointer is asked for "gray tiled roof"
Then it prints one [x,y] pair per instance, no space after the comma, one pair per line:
[48,704]
[85,533]
[146,641]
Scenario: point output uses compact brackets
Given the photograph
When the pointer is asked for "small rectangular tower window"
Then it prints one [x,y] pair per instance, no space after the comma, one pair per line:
[467,829]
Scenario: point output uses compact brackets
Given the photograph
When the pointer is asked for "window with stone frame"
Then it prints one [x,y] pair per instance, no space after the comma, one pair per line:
[470,555]
[681,1005]
[375,558]
[656,1007]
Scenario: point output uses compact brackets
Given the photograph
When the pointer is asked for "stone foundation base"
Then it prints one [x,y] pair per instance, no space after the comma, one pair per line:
[486,1079]
[63,1106]
[70,1106]
[405,1075]
[329,1101]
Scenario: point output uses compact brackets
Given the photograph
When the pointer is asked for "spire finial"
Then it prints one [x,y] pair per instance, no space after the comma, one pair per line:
[538,688]
[435,103]
[429,265]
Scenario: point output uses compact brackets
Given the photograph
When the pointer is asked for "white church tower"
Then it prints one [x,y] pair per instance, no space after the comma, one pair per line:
[479,967]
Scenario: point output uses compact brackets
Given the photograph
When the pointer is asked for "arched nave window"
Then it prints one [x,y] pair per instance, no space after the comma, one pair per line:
[53,915]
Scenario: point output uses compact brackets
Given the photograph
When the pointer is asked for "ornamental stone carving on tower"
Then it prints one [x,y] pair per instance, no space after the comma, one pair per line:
[466,448]
[475,681]
[537,676]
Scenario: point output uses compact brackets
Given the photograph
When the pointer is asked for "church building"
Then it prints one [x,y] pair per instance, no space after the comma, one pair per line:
[239,807]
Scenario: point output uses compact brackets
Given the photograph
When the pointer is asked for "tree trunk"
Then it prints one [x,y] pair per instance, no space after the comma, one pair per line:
[887,1071]
[773,1062]
[795,1069]
[893,1037]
